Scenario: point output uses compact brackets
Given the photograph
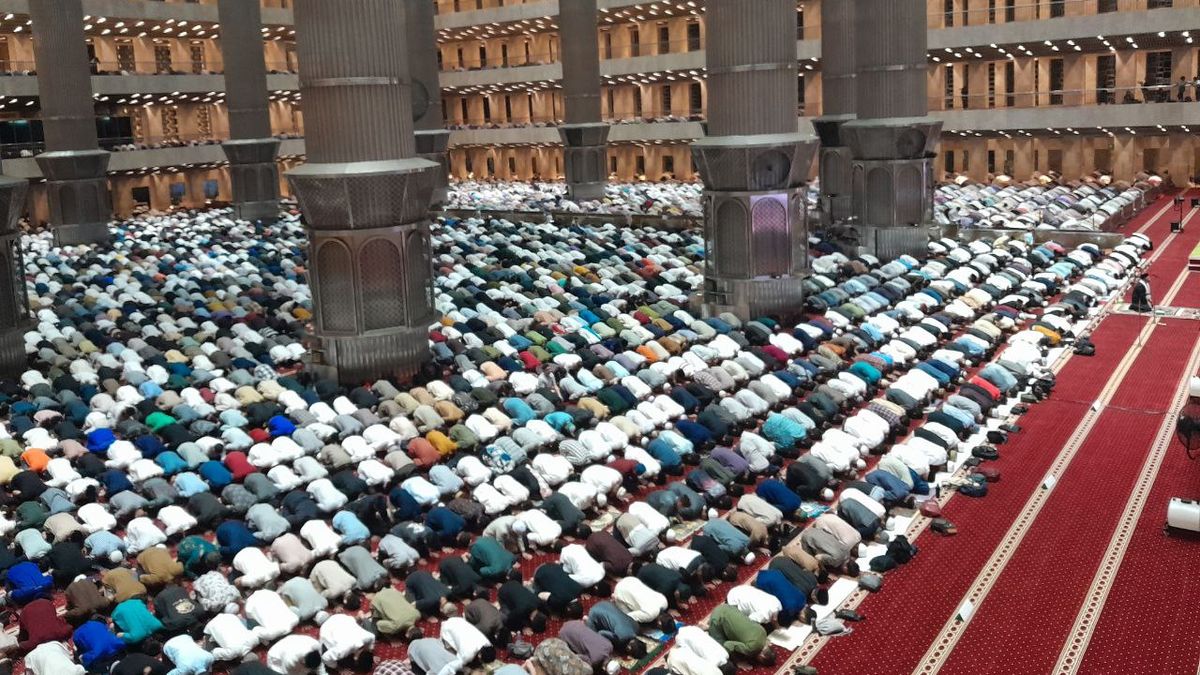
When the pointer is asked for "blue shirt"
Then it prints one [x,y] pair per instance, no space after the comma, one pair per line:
[445,522]
[782,431]
[352,529]
[778,495]
[102,543]
[519,410]
[96,644]
[188,484]
[697,433]
[662,451]
[790,597]
[729,538]
[233,536]
[216,474]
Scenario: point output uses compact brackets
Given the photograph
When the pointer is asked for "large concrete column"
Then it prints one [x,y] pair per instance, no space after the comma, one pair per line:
[73,164]
[15,317]
[433,139]
[893,142]
[839,93]
[754,162]
[251,149]
[584,135]
[364,193]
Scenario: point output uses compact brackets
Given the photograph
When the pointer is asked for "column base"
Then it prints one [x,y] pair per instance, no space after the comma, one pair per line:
[889,243]
[585,155]
[13,360]
[587,192]
[749,298]
[266,211]
[396,355]
[80,234]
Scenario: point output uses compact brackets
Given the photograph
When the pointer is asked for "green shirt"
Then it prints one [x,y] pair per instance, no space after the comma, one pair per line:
[736,632]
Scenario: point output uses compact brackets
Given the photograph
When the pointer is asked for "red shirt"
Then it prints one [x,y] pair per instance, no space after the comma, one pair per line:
[239,466]
[40,623]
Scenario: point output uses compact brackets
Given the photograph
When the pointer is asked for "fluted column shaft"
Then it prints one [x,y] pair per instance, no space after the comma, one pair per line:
[890,45]
[251,151]
[752,75]
[584,135]
[839,87]
[73,164]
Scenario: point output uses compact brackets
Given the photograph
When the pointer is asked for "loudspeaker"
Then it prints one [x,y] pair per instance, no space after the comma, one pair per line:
[1176,226]
[1196,202]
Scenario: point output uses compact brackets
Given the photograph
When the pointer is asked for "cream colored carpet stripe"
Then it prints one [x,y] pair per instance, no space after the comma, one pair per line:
[952,631]
[1089,614]
[808,651]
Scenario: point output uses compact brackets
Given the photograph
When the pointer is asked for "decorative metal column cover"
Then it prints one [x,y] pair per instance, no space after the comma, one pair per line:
[754,162]
[584,136]
[893,142]
[251,149]
[15,316]
[74,165]
[839,94]
[364,195]
[433,140]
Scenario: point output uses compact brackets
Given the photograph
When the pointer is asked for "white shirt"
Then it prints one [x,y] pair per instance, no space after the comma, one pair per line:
[175,519]
[273,616]
[542,529]
[580,494]
[472,471]
[757,604]
[581,566]
[61,472]
[650,517]
[96,517]
[256,568]
[424,492]
[603,479]
[234,638]
[52,658]
[512,489]
[493,500]
[321,538]
[676,557]
[375,473]
[141,534]
[642,603]
[287,655]
[328,497]
[341,636]
[462,638]
[554,469]
[703,645]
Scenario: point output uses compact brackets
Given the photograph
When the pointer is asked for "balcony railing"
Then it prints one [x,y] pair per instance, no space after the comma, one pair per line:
[517,58]
[1154,93]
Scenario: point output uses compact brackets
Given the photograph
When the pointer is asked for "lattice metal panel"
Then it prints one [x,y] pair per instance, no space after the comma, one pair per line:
[732,238]
[325,203]
[771,169]
[879,196]
[418,272]
[335,284]
[772,239]
[382,281]
[910,197]
[10,314]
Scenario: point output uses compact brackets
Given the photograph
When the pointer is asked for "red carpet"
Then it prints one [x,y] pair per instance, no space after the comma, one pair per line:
[920,596]
[1151,620]
[1024,620]
[1189,294]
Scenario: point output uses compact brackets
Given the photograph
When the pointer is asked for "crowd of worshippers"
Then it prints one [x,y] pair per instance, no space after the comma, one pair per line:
[190,498]
[667,198]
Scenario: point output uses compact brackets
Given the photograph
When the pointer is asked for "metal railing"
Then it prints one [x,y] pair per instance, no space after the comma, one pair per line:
[517,58]
[1016,11]
[182,67]
[1154,93]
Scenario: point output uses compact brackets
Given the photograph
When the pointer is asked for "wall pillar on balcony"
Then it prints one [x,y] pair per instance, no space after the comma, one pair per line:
[839,94]
[584,134]
[74,165]
[251,149]
[364,193]
[754,162]
[893,142]
[432,138]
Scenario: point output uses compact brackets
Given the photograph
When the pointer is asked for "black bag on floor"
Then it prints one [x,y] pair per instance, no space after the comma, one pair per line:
[901,550]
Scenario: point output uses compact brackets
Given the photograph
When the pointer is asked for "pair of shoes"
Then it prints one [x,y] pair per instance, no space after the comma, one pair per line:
[943,527]
[985,452]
